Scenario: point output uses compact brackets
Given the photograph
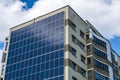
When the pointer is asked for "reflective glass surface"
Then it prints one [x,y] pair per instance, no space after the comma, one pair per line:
[36,52]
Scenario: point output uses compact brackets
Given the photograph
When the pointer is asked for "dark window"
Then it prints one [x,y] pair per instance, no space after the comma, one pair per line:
[81,34]
[100,53]
[87,36]
[100,65]
[89,74]
[115,68]
[88,60]
[73,66]
[73,51]
[74,39]
[2,72]
[83,72]
[3,57]
[99,42]
[82,46]
[83,59]
[73,78]
[100,77]
[115,77]
[88,48]
[113,57]
[1,78]
[73,26]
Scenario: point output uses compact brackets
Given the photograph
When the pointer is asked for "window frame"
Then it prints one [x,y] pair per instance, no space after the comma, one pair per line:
[73,51]
[82,34]
[83,59]
[74,78]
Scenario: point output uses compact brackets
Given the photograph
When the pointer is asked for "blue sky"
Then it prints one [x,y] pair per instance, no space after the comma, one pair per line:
[1,45]
[115,42]
[29,3]
[103,14]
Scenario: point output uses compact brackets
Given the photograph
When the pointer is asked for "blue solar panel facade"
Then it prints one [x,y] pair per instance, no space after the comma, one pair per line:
[36,52]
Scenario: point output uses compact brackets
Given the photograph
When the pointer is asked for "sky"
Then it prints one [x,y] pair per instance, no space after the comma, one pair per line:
[104,15]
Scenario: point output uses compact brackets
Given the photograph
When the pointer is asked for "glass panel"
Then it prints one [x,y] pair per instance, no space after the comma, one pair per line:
[37,51]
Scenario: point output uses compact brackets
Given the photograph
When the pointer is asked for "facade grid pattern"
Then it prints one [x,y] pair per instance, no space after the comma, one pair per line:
[36,52]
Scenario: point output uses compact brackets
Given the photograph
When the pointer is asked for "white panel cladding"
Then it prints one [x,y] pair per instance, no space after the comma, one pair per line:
[116,56]
[109,52]
[111,73]
[91,32]
[107,44]
[80,25]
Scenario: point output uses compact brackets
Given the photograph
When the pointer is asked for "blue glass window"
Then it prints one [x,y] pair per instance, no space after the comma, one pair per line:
[36,52]
[100,53]
[100,65]
[100,77]
[99,42]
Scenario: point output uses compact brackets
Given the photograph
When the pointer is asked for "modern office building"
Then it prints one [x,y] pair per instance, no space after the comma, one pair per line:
[59,45]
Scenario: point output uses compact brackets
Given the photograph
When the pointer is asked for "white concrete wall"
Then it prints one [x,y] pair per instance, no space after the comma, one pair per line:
[80,25]
[111,73]
[116,56]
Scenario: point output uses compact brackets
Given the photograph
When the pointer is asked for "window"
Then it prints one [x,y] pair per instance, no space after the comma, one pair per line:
[73,66]
[87,36]
[6,46]
[100,65]
[73,26]
[100,53]
[83,72]
[2,69]
[88,48]
[88,60]
[82,46]
[73,51]
[73,78]
[89,74]
[99,42]
[36,49]
[81,34]
[3,57]
[113,57]
[83,59]
[115,68]
[74,39]
[100,77]
[115,77]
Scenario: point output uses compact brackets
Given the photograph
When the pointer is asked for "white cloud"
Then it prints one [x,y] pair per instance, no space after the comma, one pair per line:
[103,14]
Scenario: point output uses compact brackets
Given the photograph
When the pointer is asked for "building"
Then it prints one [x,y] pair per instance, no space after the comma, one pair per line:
[59,45]
[3,61]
